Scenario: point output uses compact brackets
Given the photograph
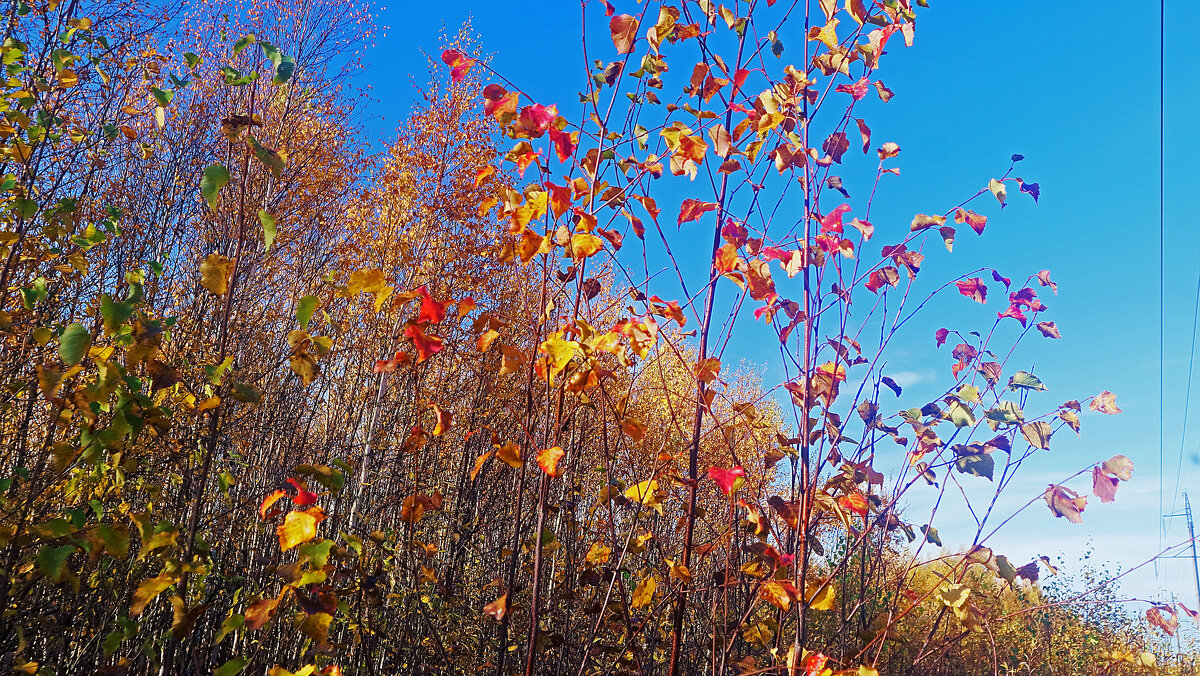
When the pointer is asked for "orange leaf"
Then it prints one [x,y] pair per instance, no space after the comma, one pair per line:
[443,420]
[498,608]
[270,500]
[479,464]
[854,502]
[548,461]
[260,612]
[692,209]
[624,32]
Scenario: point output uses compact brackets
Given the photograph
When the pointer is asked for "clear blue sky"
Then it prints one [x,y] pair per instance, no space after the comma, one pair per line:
[1075,90]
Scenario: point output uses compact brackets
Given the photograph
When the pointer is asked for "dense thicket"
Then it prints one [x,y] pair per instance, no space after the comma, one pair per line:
[276,402]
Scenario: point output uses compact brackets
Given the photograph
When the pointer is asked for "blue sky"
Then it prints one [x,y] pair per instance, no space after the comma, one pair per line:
[1075,91]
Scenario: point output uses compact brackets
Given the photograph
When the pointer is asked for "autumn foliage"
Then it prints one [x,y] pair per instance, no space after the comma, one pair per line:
[275,401]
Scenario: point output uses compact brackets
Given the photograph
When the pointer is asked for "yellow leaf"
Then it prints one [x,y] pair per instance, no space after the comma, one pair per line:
[299,527]
[368,280]
[821,598]
[779,593]
[215,273]
[954,596]
[643,492]
[585,245]
[147,590]
[644,594]
[826,34]
[857,11]
[559,351]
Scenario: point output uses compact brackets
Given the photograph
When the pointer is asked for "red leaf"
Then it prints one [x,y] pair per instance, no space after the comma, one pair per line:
[878,278]
[1190,613]
[971,218]
[940,336]
[865,132]
[1065,503]
[535,119]
[459,64]
[564,144]
[1003,280]
[1027,297]
[432,312]
[1044,278]
[498,102]
[303,497]
[858,90]
[814,664]
[427,346]
[692,209]
[973,288]
[1168,623]
[726,478]
[832,222]
[1013,311]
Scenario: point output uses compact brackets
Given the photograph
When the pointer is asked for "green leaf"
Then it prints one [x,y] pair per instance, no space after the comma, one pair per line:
[74,343]
[116,541]
[243,42]
[316,553]
[1006,569]
[247,394]
[192,60]
[268,226]
[112,642]
[285,66]
[231,623]
[162,96]
[271,159]
[1024,380]
[1005,412]
[25,207]
[215,178]
[216,373]
[958,413]
[234,77]
[974,461]
[113,313]
[231,667]
[35,293]
[52,561]
[931,535]
[304,311]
